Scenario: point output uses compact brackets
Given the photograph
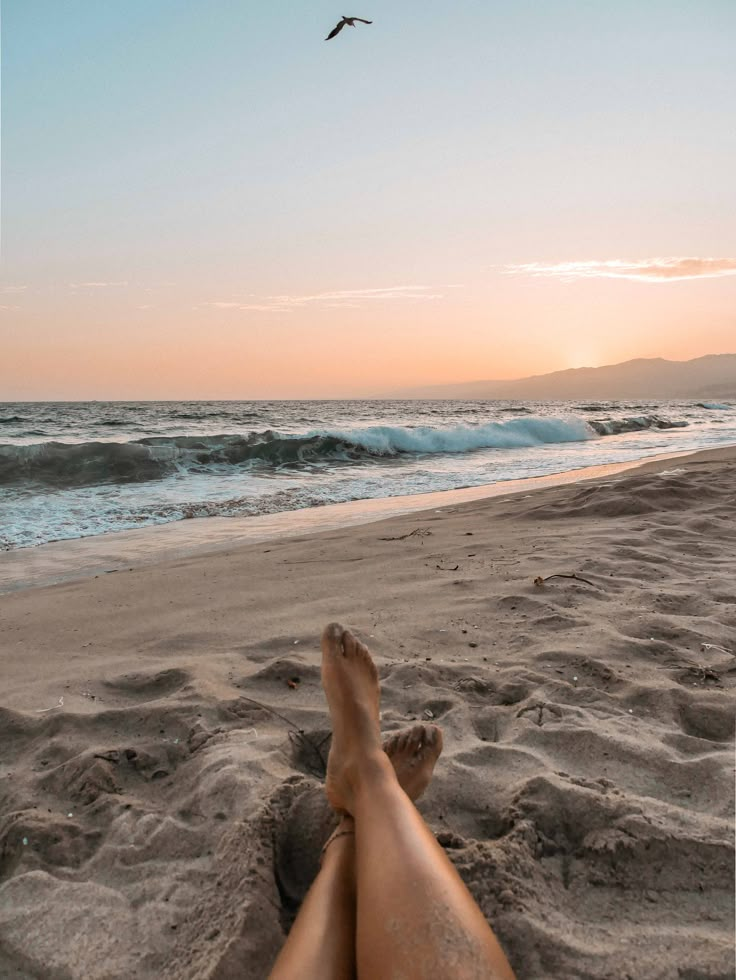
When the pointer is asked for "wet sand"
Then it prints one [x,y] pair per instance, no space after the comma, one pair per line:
[163,732]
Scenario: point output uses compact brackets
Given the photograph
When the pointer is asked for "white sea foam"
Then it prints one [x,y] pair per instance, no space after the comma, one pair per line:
[512,434]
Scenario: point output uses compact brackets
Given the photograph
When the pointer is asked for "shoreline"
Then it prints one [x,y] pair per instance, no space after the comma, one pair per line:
[76,559]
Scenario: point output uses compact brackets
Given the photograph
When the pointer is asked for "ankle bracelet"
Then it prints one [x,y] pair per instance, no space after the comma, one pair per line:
[333,837]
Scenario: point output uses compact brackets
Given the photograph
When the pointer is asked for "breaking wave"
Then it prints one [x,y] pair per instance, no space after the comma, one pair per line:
[57,464]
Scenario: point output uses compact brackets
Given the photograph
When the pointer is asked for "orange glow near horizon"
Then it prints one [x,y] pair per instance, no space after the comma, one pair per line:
[104,344]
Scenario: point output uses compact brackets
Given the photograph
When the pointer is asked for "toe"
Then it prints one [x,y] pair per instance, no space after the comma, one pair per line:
[416,737]
[332,639]
[349,643]
[434,738]
[357,651]
[390,744]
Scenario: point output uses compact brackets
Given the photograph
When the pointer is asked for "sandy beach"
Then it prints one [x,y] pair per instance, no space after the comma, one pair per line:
[164,732]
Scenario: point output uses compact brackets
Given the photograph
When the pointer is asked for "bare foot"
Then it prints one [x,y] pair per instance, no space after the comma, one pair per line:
[413,753]
[350,680]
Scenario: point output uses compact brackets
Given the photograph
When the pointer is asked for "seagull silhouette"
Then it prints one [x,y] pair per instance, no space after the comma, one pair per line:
[346,20]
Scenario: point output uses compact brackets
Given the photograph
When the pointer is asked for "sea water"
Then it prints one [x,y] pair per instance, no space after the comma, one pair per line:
[70,469]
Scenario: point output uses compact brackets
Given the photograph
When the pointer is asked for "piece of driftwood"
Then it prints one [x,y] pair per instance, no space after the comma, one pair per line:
[539,580]
[419,532]
[311,561]
[296,734]
[704,672]
[539,707]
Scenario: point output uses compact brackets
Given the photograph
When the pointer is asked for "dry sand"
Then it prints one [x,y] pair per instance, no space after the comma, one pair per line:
[160,823]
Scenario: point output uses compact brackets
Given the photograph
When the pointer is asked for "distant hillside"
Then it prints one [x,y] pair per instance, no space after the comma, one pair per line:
[713,376]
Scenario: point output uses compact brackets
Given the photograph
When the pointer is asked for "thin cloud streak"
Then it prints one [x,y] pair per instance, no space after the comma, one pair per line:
[335,299]
[670,269]
[96,285]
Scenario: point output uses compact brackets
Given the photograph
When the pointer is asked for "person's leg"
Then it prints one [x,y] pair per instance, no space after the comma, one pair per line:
[321,943]
[415,917]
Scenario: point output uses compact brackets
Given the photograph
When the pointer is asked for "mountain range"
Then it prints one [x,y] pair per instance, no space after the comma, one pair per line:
[709,377]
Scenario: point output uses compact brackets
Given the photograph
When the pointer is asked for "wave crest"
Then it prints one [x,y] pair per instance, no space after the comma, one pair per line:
[58,465]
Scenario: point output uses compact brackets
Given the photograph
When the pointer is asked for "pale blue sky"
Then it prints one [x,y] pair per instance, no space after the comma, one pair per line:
[220,151]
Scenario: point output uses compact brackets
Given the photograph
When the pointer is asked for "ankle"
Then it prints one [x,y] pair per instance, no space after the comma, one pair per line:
[337,859]
[374,769]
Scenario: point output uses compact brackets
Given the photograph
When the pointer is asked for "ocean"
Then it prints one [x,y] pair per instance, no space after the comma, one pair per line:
[71,469]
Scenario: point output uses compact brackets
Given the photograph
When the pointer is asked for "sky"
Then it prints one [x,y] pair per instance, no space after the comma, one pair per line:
[204,199]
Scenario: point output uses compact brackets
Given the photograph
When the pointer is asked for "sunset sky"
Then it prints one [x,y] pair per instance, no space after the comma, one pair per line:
[203,199]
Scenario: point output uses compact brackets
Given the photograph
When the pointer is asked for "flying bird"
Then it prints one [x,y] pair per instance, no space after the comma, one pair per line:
[346,20]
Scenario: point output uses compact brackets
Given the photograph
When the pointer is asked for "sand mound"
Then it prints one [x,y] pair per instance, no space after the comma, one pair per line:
[636,495]
[171,840]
